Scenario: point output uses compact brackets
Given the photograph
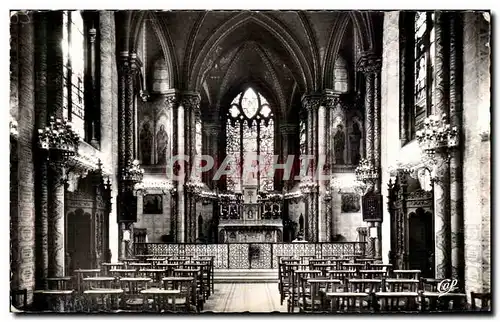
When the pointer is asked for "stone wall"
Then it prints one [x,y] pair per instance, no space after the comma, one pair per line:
[476,154]
[109,112]
[389,114]
[475,140]
[22,108]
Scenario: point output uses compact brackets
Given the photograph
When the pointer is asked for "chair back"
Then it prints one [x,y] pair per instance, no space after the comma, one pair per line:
[485,300]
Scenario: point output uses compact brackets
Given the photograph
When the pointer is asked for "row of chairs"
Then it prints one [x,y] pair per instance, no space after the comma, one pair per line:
[162,284]
[357,284]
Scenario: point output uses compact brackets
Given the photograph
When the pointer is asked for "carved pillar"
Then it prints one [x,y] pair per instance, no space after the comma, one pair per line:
[129,109]
[365,66]
[311,104]
[191,104]
[93,110]
[181,213]
[287,131]
[56,171]
[456,181]
[442,183]
[171,103]
[328,217]
[370,65]
[41,185]
[212,135]
[56,236]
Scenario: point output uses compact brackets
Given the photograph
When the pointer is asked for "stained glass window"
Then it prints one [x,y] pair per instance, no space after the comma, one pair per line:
[303,137]
[73,45]
[250,131]
[423,66]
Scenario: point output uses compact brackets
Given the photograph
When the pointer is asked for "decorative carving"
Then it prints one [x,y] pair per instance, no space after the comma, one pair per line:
[369,62]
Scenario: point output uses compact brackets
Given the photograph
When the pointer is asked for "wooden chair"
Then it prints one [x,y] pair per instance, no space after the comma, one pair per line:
[186,300]
[364,285]
[19,299]
[396,302]
[407,273]
[316,301]
[401,285]
[160,300]
[342,302]
[102,300]
[342,275]
[485,299]
[296,290]
[132,287]
[372,274]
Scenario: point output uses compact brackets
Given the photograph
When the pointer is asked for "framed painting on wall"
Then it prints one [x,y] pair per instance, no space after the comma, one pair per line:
[350,203]
[152,205]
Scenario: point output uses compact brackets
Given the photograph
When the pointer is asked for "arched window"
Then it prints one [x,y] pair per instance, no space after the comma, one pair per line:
[424,66]
[417,53]
[73,46]
[250,130]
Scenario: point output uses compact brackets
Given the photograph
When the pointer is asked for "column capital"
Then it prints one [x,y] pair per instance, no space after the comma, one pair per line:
[288,128]
[369,63]
[330,99]
[311,102]
[171,100]
[211,128]
[190,100]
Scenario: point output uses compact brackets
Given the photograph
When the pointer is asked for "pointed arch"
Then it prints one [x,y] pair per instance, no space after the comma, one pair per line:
[163,36]
[362,27]
[269,67]
[301,65]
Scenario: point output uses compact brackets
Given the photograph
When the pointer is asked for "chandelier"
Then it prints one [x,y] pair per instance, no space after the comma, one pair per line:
[194,186]
[437,135]
[366,172]
[59,137]
[133,172]
[307,186]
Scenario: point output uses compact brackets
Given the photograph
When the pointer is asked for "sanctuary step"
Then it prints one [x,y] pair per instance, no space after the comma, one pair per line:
[246,276]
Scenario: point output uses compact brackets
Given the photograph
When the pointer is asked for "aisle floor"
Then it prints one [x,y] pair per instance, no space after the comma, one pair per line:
[242,297]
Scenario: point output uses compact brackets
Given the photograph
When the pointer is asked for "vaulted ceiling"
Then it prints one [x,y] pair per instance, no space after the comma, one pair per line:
[284,54]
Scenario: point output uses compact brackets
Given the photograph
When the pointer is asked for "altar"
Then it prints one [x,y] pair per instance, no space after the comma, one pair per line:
[250,218]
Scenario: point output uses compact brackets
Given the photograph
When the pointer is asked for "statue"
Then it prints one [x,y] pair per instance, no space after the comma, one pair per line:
[146,139]
[355,143]
[161,145]
[339,144]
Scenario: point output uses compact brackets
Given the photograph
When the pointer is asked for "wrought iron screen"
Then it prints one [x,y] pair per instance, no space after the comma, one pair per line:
[251,255]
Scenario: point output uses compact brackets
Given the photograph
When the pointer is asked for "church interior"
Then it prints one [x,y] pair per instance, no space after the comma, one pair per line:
[131,131]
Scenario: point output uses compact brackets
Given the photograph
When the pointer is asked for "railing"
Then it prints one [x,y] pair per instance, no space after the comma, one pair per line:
[251,255]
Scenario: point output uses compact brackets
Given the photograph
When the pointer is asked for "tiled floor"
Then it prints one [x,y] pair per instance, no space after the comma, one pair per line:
[241,297]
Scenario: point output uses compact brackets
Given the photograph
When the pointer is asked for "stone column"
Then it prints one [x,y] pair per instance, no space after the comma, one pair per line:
[56,171]
[370,65]
[213,133]
[287,131]
[312,103]
[181,213]
[191,104]
[171,103]
[322,132]
[41,185]
[442,182]
[56,237]
[23,219]
[456,181]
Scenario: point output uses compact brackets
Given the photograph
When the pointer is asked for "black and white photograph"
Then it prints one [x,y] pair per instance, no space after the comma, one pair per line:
[250,161]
